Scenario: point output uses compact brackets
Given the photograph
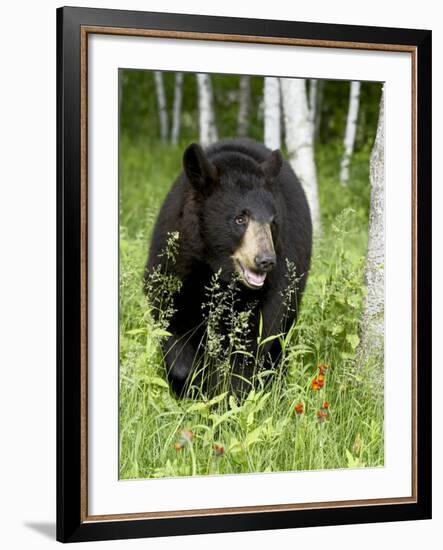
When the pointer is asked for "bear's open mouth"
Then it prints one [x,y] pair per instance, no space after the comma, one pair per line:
[252,278]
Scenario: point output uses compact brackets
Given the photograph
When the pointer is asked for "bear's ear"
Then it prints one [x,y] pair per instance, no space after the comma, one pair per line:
[272,165]
[201,173]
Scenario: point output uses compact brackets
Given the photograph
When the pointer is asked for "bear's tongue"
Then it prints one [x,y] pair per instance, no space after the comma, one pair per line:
[255,279]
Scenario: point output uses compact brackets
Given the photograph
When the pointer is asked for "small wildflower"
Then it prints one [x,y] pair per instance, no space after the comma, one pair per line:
[322,414]
[322,368]
[218,449]
[318,382]
[299,408]
[185,437]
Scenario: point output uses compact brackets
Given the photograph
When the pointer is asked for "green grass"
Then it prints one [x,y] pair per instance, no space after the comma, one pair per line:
[264,433]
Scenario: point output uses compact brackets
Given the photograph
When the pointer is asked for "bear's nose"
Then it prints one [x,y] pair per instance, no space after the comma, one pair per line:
[265,261]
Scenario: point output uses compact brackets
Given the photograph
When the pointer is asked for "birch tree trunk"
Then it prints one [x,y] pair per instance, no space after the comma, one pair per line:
[318,109]
[351,130]
[272,112]
[299,142]
[313,89]
[176,113]
[244,105]
[161,101]
[372,324]
[206,115]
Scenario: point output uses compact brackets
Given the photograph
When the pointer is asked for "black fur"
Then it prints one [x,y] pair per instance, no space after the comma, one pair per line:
[216,186]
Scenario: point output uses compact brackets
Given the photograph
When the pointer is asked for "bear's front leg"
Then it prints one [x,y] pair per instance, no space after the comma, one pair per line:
[179,357]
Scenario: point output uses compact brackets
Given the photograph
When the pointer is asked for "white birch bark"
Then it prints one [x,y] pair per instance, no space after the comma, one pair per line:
[206,115]
[272,112]
[351,130]
[372,324]
[244,105]
[176,113]
[161,101]
[318,109]
[299,142]
[313,89]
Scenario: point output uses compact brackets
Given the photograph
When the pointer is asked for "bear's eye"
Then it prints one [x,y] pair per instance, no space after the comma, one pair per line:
[242,219]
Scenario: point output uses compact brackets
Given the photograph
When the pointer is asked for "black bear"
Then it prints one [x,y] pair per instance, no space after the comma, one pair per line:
[240,212]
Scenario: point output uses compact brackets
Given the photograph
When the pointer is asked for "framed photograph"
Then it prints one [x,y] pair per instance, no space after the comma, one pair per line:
[244,274]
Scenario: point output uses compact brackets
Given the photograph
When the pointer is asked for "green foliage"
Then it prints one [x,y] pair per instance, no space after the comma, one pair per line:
[161,436]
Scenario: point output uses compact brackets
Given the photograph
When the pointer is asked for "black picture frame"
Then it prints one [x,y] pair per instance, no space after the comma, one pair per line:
[72,524]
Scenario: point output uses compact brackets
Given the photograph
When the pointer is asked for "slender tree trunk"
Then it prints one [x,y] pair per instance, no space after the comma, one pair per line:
[313,91]
[272,112]
[244,106]
[299,142]
[208,129]
[351,130]
[372,324]
[176,114]
[161,101]
[318,109]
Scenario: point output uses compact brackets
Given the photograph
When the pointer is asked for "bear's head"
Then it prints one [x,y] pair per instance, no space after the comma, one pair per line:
[237,211]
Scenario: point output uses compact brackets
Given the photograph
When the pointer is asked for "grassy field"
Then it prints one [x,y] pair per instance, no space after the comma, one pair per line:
[297,424]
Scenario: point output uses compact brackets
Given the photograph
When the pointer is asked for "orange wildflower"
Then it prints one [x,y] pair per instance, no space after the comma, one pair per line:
[322,414]
[318,383]
[298,408]
[186,435]
[218,449]
[322,368]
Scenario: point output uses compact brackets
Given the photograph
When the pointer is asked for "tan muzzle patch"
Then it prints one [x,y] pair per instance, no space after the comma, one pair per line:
[256,241]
